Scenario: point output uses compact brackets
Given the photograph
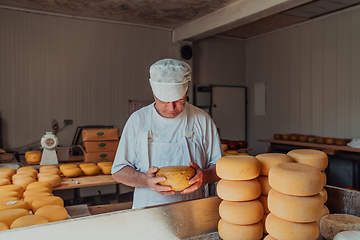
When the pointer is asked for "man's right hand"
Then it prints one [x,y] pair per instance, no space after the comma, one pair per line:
[153,182]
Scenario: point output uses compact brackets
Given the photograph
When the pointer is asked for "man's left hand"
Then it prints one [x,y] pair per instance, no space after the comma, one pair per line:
[196,181]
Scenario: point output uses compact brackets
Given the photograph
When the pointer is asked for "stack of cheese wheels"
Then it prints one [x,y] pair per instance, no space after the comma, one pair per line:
[70,170]
[267,161]
[294,201]
[50,174]
[240,211]
[24,176]
[6,176]
[105,167]
[316,159]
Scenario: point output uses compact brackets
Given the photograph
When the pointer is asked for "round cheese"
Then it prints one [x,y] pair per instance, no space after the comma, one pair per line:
[53,171]
[52,213]
[241,232]
[177,177]
[347,235]
[54,180]
[27,153]
[87,165]
[33,156]
[4,182]
[10,215]
[285,230]
[12,187]
[39,184]
[106,169]
[241,190]
[310,157]
[44,201]
[324,175]
[69,165]
[46,173]
[268,160]
[72,172]
[296,179]
[332,224]
[264,201]
[225,147]
[324,195]
[35,190]
[3,226]
[9,172]
[101,164]
[242,213]
[325,211]
[263,222]
[29,220]
[265,186]
[295,208]
[24,182]
[90,170]
[23,174]
[238,167]
[46,167]
[27,169]
[14,204]
[31,198]
[10,194]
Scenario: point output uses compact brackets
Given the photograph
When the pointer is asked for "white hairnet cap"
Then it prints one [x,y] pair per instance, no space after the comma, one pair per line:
[169,79]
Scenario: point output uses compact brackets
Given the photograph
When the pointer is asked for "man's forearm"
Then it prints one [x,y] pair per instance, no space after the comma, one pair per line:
[130,177]
[210,175]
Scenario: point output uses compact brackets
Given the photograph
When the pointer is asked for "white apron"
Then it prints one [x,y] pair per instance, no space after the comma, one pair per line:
[166,154]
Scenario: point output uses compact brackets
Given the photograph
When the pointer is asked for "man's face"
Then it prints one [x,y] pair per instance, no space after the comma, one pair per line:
[170,109]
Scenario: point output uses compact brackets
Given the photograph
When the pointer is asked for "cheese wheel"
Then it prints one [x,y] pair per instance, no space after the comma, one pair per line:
[10,194]
[177,177]
[12,187]
[51,171]
[44,201]
[23,182]
[27,153]
[4,182]
[224,146]
[54,180]
[39,184]
[238,167]
[32,197]
[24,174]
[69,165]
[14,204]
[10,215]
[33,156]
[72,172]
[324,212]
[5,200]
[265,186]
[35,190]
[324,195]
[101,164]
[332,224]
[47,173]
[46,167]
[87,165]
[263,222]
[285,230]
[242,213]
[241,190]
[311,157]
[52,213]
[3,226]
[231,152]
[268,160]
[29,220]
[106,169]
[90,170]
[242,232]
[264,201]
[347,235]
[27,169]
[324,175]
[269,237]
[296,179]
[9,172]
[295,208]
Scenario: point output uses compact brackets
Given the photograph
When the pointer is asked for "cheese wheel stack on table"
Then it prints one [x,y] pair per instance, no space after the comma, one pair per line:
[267,161]
[294,201]
[240,211]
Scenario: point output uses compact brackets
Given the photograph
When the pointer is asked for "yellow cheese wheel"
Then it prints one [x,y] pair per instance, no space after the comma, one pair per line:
[263,222]
[285,230]
[27,153]
[240,232]
[35,190]
[225,147]
[100,164]
[10,194]
[27,169]
[4,176]
[52,213]
[46,167]
[325,179]
[72,172]
[39,184]
[31,198]
[310,157]
[44,201]
[29,220]
[268,160]
[241,190]
[264,201]
[9,172]
[264,182]
[23,182]
[54,180]
[238,167]
[324,195]
[51,171]
[4,182]
[269,237]
[324,212]
[295,208]
[15,204]
[332,224]
[10,215]
[106,169]
[3,226]
[242,213]
[90,170]
[69,165]
[296,179]
[24,174]
[231,152]
[12,187]
[87,165]
[33,156]
[177,177]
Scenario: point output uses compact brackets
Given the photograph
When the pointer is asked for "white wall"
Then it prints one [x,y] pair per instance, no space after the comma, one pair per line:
[60,68]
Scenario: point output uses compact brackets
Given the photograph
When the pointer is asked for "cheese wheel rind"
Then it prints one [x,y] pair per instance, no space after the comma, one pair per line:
[44,201]
[54,180]
[284,230]
[241,232]
[28,220]
[264,201]
[15,205]
[32,197]
[4,182]
[242,213]
[311,157]
[295,208]
[52,213]
[10,215]
[238,167]
[71,172]
[90,170]
[241,190]
[265,186]
[268,160]
[35,185]
[301,179]
[332,224]
[24,182]
[12,187]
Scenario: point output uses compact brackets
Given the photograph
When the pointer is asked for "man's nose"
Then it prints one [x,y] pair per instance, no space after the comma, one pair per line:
[171,105]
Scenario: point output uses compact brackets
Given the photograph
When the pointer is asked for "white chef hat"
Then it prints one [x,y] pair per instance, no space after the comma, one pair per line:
[169,79]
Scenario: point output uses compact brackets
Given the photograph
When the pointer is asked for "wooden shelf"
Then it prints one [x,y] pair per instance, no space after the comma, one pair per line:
[85,181]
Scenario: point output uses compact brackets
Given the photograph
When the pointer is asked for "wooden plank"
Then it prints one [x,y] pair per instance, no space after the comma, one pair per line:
[94,210]
[85,181]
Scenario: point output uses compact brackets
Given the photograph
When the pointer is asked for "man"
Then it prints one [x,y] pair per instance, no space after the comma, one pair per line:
[168,132]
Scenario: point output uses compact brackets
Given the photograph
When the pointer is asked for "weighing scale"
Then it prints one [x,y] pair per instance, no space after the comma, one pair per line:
[48,143]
